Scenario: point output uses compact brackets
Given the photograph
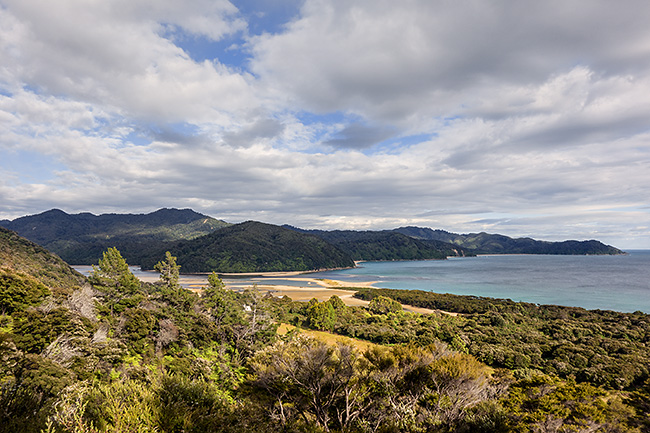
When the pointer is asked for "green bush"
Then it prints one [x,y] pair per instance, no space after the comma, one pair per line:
[19,291]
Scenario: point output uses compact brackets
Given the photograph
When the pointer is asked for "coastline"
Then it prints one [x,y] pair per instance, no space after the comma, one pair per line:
[264,274]
[321,289]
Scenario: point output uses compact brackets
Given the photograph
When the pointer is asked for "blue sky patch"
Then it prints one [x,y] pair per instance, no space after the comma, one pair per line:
[30,167]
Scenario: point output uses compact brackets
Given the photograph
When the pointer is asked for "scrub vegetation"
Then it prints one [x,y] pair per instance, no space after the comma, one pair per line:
[113,354]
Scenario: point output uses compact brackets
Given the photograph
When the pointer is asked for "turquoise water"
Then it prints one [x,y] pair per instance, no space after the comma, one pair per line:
[620,283]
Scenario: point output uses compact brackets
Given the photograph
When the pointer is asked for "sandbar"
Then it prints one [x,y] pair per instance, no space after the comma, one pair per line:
[318,288]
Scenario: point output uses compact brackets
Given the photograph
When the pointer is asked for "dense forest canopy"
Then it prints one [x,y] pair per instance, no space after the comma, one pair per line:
[254,247]
[387,245]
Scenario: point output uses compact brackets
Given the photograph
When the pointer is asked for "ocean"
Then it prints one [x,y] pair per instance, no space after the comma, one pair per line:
[619,283]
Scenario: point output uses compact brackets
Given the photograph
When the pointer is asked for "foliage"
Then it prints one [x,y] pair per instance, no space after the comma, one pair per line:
[19,291]
[116,407]
[321,315]
[35,329]
[139,325]
[28,386]
[337,387]
[254,247]
[115,282]
[190,405]
[221,304]
[18,255]
[168,271]
[384,305]
[113,276]
[168,360]
[565,406]
[601,347]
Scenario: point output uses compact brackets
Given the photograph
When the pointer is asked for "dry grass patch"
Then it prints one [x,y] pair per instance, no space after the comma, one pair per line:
[328,338]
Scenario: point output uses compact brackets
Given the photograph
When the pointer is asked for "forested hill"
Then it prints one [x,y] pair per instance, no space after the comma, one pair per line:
[386,245]
[485,243]
[253,247]
[24,261]
[80,239]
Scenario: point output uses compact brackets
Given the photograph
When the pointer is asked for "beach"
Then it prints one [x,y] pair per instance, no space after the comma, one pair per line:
[302,288]
[309,288]
[322,290]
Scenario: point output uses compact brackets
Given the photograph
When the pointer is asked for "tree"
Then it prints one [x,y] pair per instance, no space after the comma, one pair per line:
[215,283]
[384,305]
[220,302]
[112,275]
[321,316]
[257,327]
[168,271]
[311,380]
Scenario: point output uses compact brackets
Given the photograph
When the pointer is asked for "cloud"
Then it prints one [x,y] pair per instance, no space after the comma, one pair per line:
[358,136]
[529,119]
[115,55]
[432,58]
[260,130]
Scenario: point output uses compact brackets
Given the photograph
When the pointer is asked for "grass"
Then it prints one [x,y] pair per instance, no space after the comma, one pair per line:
[327,337]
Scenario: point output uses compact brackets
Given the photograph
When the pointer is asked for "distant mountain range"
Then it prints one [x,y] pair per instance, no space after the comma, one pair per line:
[80,239]
[485,243]
[205,244]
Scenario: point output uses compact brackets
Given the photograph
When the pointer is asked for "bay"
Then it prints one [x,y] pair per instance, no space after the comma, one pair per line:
[619,283]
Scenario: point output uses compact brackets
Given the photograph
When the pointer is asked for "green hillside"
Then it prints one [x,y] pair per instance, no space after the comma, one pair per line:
[387,245]
[80,239]
[485,243]
[254,247]
[119,355]
[21,256]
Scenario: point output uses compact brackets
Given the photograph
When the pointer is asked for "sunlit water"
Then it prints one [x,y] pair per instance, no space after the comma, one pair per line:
[620,283]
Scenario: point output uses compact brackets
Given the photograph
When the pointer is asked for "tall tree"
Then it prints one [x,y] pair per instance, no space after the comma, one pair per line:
[168,271]
[112,275]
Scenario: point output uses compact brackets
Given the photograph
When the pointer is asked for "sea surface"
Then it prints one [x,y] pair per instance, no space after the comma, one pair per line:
[620,283]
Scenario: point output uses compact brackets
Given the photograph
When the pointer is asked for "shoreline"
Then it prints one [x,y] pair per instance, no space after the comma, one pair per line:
[263,274]
[320,288]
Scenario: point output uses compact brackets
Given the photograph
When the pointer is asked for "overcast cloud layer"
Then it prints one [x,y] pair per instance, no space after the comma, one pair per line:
[513,117]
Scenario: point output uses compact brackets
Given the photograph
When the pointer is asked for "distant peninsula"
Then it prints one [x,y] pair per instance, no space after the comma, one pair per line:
[485,243]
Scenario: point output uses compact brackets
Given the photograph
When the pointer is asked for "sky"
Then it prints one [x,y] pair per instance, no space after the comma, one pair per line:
[524,118]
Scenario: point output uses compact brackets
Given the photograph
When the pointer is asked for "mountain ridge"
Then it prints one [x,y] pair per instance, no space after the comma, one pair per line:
[80,239]
[22,256]
[486,243]
[386,245]
[253,246]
